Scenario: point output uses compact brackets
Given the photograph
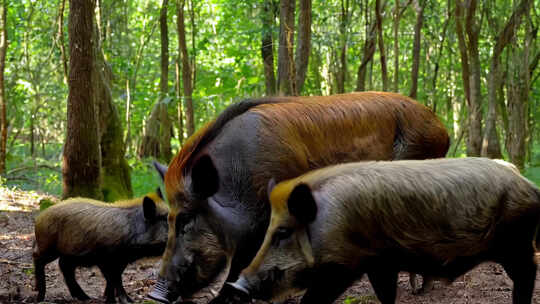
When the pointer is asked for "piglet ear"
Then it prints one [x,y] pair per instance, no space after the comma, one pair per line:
[161,169]
[149,208]
[271,185]
[302,205]
[204,177]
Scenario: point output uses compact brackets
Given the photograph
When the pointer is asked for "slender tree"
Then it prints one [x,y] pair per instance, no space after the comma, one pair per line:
[156,140]
[286,68]
[518,102]
[379,7]
[419,7]
[470,66]
[490,143]
[3,102]
[368,50]
[165,121]
[82,155]
[187,74]
[303,45]
[267,46]
[344,19]
[398,13]
[60,39]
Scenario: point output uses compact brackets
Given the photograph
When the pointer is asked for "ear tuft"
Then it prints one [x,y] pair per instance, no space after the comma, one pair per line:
[301,204]
[204,177]
[149,208]
[161,169]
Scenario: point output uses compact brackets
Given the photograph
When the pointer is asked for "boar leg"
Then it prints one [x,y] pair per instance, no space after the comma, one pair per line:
[384,283]
[39,272]
[113,277]
[120,291]
[68,270]
[328,286]
[523,272]
[110,287]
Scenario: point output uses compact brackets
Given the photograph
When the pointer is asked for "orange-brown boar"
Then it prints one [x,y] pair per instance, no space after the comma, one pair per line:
[216,185]
[436,217]
[85,232]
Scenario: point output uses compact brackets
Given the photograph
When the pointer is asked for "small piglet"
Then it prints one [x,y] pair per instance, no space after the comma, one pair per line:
[439,218]
[86,232]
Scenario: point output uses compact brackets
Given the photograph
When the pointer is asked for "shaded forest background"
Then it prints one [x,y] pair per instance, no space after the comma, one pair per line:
[161,69]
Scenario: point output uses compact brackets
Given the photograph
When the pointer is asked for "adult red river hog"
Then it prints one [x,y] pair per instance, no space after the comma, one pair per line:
[437,217]
[86,232]
[216,185]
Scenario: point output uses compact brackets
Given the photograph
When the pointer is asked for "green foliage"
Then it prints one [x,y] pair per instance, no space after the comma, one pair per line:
[533,174]
[224,40]
[144,178]
[366,299]
[44,204]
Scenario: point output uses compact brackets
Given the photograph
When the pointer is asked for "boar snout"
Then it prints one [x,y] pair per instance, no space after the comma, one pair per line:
[233,293]
[241,285]
[163,292]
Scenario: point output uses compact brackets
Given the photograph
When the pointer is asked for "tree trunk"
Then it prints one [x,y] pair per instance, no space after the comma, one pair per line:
[60,39]
[82,155]
[179,107]
[165,121]
[490,144]
[267,47]
[368,52]
[419,7]
[149,146]
[156,141]
[470,73]
[3,102]
[115,171]
[472,29]
[398,12]
[378,14]
[286,69]
[343,28]
[397,16]
[443,34]
[186,68]
[518,103]
[303,45]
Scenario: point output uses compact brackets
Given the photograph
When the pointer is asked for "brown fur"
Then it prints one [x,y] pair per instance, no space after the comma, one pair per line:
[85,232]
[369,118]
[439,217]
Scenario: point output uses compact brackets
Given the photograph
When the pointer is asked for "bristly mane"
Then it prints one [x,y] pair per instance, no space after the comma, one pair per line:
[182,161]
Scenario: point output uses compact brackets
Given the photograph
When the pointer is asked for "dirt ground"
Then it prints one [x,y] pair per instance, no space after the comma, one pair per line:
[488,283]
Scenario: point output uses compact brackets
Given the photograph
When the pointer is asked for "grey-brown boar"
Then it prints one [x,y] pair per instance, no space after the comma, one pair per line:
[86,232]
[437,217]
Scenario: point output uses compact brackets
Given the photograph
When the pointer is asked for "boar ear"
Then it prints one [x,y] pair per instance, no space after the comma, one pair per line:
[271,185]
[149,208]
[204,177]
[161,169]
[302,204]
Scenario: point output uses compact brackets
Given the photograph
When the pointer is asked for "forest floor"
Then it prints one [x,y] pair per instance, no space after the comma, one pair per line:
[487,283]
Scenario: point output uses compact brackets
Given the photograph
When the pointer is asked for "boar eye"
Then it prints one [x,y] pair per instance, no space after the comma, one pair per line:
[281,233]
